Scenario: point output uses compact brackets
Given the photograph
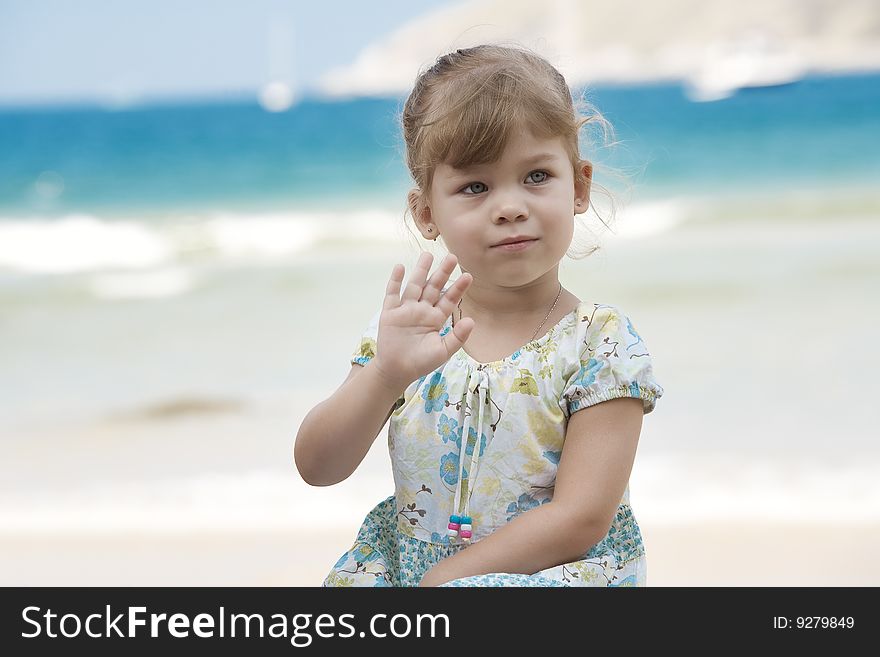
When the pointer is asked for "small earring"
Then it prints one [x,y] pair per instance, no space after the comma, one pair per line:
[430,230]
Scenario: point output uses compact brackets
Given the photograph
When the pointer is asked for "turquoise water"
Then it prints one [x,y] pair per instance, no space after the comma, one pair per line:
[819,131]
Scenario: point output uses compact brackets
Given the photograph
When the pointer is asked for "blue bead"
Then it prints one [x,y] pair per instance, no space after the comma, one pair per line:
[465,520]
[455,519]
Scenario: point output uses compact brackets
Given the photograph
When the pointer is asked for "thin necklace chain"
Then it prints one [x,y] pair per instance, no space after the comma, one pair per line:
[552,308]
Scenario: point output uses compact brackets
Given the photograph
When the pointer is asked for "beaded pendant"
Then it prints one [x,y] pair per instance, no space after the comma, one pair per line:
[460,527]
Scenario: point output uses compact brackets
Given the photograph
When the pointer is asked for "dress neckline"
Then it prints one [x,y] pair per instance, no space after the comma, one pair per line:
[574,313]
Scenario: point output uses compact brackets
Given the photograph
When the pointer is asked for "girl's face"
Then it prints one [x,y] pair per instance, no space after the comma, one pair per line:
[529,192]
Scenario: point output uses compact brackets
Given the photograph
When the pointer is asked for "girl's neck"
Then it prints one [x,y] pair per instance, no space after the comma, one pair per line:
[493,304]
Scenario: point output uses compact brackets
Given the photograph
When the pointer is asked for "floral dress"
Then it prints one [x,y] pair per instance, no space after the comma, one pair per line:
[511,416]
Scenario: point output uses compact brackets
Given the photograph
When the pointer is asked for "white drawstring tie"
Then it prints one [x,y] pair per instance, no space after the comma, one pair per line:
[460,522]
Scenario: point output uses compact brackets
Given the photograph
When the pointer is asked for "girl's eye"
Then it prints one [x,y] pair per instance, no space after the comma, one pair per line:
[481,187]
[543,175]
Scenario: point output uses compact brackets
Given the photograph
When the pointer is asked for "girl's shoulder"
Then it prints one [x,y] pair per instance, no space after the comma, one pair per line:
[610,359]
[586,319]
[605,326]
[594,316]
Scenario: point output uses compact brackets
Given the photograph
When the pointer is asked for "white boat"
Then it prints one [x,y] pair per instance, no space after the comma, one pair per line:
[276,96]
[751,62]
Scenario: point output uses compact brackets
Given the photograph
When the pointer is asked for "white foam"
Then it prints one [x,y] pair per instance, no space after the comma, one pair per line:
[647,218]
[78,242]
[266,236]
[84,243]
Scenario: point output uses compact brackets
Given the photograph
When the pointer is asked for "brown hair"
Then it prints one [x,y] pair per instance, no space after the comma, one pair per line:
[463,109]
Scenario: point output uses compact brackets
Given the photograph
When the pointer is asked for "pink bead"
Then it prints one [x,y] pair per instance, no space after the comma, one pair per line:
[454,525]
[465,533]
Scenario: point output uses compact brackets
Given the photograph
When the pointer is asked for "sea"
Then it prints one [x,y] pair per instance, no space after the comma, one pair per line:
[180,283]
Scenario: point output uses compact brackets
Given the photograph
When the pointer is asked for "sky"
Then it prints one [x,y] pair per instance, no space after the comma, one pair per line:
[126,51]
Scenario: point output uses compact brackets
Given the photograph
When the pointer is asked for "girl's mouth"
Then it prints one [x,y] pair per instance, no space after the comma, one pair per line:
[515,246]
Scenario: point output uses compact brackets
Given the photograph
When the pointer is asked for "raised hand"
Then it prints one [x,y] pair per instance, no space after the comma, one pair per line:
[409,344]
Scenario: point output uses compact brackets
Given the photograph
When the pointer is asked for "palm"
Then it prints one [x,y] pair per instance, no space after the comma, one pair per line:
[415,330]
[409,341]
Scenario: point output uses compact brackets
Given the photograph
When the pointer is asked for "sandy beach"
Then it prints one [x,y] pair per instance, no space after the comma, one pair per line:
[688,555]
[197,493]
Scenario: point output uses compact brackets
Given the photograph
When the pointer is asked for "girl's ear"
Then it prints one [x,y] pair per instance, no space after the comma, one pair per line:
[421,214]
[582,183]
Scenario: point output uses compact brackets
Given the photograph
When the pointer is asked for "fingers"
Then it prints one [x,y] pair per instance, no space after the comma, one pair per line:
[418,288]
[455,339]
[416,283]
[392,290]
[449,301]
[432,291]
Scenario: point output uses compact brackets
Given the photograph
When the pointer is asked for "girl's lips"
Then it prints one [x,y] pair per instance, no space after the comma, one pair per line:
[515,246]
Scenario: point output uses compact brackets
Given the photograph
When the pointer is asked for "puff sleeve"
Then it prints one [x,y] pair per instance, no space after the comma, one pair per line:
[612,361]
[366,349]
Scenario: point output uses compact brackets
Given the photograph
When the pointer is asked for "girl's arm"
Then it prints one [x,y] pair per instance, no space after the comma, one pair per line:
[597,458]
[336,435]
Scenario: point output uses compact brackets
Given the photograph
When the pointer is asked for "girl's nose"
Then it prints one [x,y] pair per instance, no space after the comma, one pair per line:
[510,207]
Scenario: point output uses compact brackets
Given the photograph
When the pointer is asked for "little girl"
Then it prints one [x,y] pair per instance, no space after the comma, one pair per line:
[515,407]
